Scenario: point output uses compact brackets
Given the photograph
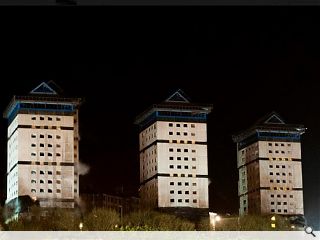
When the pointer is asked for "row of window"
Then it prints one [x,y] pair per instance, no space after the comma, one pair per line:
[184,158]
[180,167]
[41,154]
[43,118]
[180,192]
[42,172]
[182,175]
[42,181]
[42,136]
[42,190]
[280,210]
[278,144]
[279,196]
[279,181]
[278,166]
[186,200]
[277,151]
[278,174]
[184,150]
[48,145]
[184,134]
[180,184]
[184,125]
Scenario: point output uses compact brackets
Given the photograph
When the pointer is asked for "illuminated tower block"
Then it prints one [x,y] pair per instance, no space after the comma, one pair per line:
[269,163]
[43,147]
[173,154]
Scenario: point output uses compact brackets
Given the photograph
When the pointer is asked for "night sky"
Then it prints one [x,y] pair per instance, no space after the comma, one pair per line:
[247,62]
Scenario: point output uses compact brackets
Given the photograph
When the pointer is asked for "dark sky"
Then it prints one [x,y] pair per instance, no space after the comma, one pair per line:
[247,62]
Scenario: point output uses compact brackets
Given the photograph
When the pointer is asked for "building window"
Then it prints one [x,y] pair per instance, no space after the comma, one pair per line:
[41,190]
[58,154]
[170,149]
[279,210]
[178,158]
[193,134]
[291,196]
[171,200]
[41,154]
[270,173]
[171,183]
[179,192]
[272,210]
[171,191]
[186,158]
[49,190]
[41,172]
[271,180]
[272,203]
[33,145]
[33,154]
[41,118]
[186,192]
[277,166]
[179,184]
[33,118]
[194,184]
[171,166]
[58,136]
[41,136]
[41,181]
[33,181]
[279,196]
[193,159]
[186,184]
[270,166]
[33,172]
[185,134]
[58,146]
[170,158]
[182,175]
[270,151]
[33,190]
[194,192]
[58,119]
[193,126]
[272,195]
[50,145]
[195,201]
[179,166]
[50,118]
[185,125]
[170,124]
[174,141]
[178,150]
[270,144]
[186,167]
[178,125]
[33,136]
[49,181]
[186,200]
[170,133]
[41,145]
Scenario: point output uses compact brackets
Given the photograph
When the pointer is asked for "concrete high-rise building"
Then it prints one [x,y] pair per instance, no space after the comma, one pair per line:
[173,155]
[269,164]
[43,147]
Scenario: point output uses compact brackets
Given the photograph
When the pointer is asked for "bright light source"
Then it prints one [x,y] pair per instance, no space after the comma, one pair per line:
[218,218]
[293,227]
[273,218]
[81,226]
[273,225]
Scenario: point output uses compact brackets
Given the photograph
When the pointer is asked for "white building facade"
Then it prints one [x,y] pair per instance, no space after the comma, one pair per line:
[173,154]
[43,148]
[270,169]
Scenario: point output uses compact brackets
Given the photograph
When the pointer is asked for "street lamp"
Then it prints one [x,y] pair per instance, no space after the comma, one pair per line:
[80,226]
[214,217]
